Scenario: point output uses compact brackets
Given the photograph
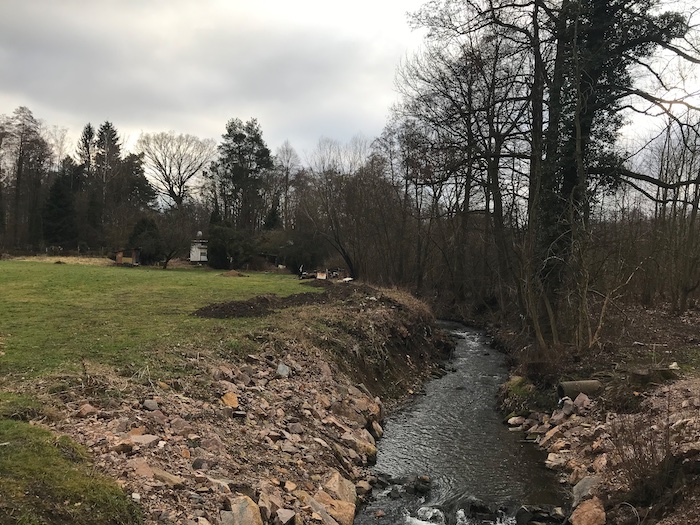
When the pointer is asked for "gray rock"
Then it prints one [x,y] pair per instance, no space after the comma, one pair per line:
[285,516]
[146,440]
[283,370]
[584,489]
[582,401]
[568,407]
[150,404]
[295,428]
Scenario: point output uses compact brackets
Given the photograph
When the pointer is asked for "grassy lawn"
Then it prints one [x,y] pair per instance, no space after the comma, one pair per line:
[54,316]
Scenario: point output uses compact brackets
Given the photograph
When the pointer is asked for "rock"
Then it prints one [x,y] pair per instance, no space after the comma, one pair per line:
[284,516]
[283,370]
[523,516]
[550,436]
[568,407]
[555,461]
[290,486]
[376,430]
[123,447]
[140,467]
[180,427]
[145,440]
[582,401]
[584,488]
[317,508]
[295,428]
[86,410]
[341,511]
[558,417]
[340,488]
[516,421]
[169,479]
[230,400]
[590,512]
[243,511]
[269,504]
[361,446]
[213,443]
[366,406]
[150,404]
[363,487]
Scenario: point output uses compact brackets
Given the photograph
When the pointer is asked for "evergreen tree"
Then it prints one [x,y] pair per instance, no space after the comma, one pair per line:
[236,178]
[59,214]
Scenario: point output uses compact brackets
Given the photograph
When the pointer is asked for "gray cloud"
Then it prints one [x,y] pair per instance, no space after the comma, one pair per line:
[314,71]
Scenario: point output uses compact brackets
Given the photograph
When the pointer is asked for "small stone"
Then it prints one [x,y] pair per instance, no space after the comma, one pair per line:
[568,407]
[363,487]
[136,497]
[377,430]
[123,447]
[290,486]
[137,431]
[283,370]
[285,516]
[150,404]
[141,467]
[145,440]
[582,401]
[86,410]
[516,421]
[200,464]
[230,400]
[295,428]
[169,479]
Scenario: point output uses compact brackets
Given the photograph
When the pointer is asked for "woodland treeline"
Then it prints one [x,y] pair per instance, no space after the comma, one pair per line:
[502,181]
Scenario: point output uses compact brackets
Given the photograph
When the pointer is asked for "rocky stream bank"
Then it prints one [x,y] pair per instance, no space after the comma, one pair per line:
[281,436]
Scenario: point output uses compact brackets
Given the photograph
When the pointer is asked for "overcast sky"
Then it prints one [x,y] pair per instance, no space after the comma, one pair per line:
[305,69]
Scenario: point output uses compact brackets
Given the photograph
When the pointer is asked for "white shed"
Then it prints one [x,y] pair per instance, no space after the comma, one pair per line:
[198,251]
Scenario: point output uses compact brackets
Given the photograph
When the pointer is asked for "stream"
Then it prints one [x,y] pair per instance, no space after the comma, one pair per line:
[455,435]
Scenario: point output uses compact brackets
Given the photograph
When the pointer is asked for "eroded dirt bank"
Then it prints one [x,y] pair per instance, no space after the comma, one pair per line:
[283,432]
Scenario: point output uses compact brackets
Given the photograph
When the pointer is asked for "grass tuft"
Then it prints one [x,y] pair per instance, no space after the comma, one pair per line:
[44,479]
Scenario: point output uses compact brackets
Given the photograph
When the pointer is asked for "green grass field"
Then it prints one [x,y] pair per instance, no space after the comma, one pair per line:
[55,316]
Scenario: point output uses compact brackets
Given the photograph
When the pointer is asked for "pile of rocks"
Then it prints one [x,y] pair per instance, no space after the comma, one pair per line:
[277,442]
[584,446]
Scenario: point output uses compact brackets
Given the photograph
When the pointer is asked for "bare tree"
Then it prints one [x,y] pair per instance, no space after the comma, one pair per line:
[174,161]
[288,164]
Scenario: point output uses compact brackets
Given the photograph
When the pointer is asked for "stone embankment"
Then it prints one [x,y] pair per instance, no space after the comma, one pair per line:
[625,468]
[277,437]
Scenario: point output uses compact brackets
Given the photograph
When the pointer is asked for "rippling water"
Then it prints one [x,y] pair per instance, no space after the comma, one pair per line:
[454,433]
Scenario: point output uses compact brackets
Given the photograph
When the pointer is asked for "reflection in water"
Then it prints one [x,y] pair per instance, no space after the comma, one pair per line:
[455,435]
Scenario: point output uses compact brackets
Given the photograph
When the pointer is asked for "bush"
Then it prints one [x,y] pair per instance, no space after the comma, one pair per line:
[228,247]
[146,236]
